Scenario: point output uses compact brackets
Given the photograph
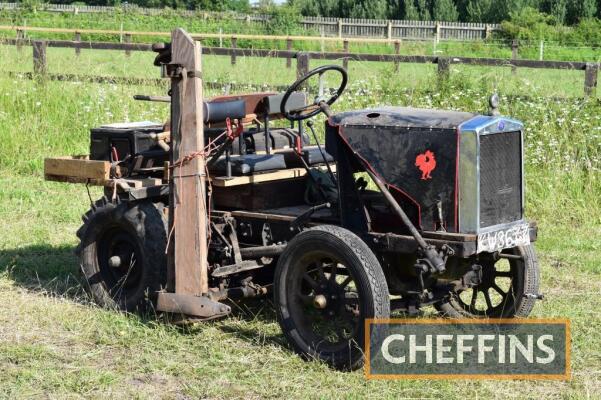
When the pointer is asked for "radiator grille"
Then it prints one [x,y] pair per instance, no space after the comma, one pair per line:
[500,178]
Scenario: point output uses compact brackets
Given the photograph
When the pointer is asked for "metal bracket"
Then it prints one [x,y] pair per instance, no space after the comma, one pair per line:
[199,307]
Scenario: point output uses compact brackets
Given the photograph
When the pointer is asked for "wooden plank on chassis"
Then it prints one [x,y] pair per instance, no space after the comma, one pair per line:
[77,168]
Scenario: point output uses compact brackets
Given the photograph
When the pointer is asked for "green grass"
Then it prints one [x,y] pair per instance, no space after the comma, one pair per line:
[55,343]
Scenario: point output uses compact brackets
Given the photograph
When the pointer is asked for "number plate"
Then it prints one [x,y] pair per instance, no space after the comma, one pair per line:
[517,235]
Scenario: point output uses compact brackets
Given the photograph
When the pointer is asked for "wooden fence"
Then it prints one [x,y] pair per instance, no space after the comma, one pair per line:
[329,27]
[302,59]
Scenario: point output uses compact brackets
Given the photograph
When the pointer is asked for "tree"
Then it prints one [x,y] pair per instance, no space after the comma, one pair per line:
[444,10]
[424,10]
[579,10]
[411,12]
[556,8]
[479,10]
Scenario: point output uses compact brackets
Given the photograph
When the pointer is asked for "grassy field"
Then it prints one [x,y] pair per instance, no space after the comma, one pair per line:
[55,343]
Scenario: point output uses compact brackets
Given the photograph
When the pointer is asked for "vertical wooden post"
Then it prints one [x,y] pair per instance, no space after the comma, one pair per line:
[322,43]
[20,37]
[397,51]
[339,27]
[289,48]
[345,50]
[77,38]
[220,37]
[590,78]
[514,54]
[234,46]
[487,32]
[443,68]
[541,50]
[389,30]
[188,205]
[127,40]
[39,58]
[302,64]
[437,33]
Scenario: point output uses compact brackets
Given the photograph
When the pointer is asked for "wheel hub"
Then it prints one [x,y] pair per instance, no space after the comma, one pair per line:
[320,301]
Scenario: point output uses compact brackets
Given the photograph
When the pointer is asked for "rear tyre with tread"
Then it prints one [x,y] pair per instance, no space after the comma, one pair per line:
[122,253]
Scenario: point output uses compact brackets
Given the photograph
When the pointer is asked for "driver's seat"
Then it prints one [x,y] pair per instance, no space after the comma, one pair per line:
[268,160]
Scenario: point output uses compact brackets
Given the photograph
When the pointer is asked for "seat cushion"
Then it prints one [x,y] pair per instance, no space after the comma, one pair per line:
[249,164]
[311,155]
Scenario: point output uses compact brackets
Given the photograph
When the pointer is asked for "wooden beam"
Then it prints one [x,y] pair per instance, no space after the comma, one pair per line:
[188,192]
[77,167]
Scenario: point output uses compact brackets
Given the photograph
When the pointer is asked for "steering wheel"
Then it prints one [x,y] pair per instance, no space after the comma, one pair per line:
[319,104]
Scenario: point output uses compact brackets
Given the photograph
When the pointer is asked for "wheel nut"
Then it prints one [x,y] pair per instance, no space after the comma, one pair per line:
[115,261]
[320,301]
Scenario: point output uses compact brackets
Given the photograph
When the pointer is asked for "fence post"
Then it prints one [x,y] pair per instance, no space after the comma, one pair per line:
[20,37]
[234,46]
[437,27]
[127,40]
[487,31]
[345,50]
[397,51]
[289,48]
[302,64]
[77,39]
[514,54]
[339,27]
[389,32]
[541,50]
[220,37]
[443,68]
[39,58]
[590,78]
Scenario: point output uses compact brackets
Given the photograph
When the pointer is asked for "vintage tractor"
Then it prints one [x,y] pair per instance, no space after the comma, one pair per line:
[402,208]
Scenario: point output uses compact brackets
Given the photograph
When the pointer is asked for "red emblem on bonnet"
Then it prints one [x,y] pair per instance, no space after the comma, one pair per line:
[426,163]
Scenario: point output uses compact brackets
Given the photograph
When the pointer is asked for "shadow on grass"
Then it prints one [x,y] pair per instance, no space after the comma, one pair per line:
[54,271]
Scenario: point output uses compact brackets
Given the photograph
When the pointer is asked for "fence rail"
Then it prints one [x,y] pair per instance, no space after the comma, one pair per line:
[329,27]
[303,58]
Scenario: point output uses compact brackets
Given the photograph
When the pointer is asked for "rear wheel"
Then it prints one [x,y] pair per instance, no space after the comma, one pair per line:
[505,291]
[327,282]
[122,253]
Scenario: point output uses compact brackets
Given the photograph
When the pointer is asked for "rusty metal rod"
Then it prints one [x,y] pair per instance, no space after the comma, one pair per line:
[262,251]
[429,251]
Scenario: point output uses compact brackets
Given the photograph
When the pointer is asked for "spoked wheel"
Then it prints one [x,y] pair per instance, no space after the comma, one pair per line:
[327,283]
[505,291]
[122,253]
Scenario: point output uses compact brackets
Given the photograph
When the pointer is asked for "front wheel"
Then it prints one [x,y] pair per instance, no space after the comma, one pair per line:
[327,282]
[508,288]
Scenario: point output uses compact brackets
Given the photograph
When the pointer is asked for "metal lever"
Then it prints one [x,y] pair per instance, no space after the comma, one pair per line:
[160,99]
[302,219]
[432,261]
